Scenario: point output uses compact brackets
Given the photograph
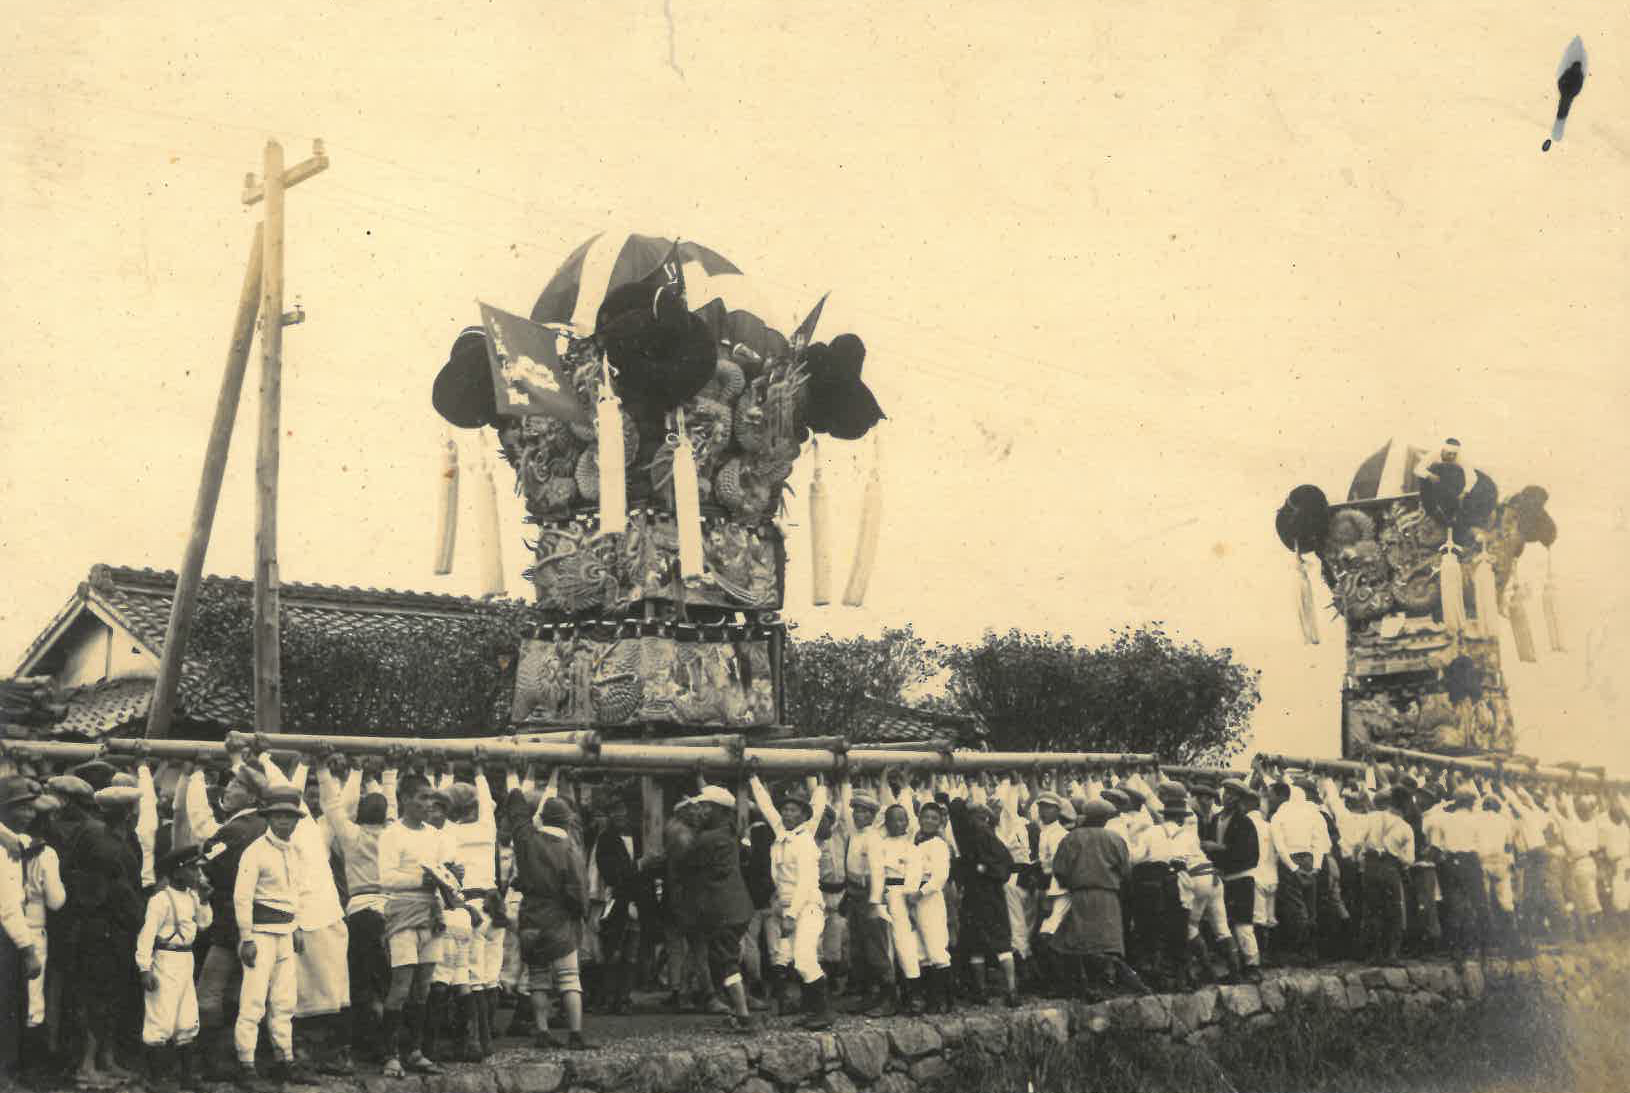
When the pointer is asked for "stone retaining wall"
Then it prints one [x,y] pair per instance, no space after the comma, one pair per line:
[903,1054]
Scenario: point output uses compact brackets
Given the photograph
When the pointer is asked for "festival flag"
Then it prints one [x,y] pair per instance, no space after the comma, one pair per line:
[527,373]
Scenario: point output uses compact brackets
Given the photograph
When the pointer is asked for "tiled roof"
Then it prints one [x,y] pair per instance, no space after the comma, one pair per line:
[879,722]
[141,599]
[97,710]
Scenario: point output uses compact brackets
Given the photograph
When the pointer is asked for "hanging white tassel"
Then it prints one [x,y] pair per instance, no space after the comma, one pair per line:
[1553,617]
[608,428]
[820,553]
[1485,597]
[871,520]
[486,521]
[1521,632]
[687,500]
[1304,603]
[1452,590]
[446,509]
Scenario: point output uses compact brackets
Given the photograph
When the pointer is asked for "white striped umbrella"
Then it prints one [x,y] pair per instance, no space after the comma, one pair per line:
[714,286]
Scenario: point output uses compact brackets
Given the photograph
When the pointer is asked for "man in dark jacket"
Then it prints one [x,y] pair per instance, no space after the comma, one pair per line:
[719,896]
[630,913]
[105,912]
[552,879]
[223,846]
[1238,856]
[982,867]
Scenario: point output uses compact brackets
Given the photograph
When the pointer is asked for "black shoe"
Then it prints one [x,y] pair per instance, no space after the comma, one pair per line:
[912,992]
[818,1016]
[290,1073]
[576,1042]
[247,1079]
[888,1003]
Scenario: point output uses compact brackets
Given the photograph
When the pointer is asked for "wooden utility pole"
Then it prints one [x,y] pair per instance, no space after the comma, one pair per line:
[263,293]
[268,661]
[162,709]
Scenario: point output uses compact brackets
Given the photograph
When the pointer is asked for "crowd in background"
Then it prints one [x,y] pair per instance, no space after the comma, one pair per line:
[259,923]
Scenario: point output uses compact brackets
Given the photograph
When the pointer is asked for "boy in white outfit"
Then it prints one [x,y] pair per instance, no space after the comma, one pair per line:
[176,912]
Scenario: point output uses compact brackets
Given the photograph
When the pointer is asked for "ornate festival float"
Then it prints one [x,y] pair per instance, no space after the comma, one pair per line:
[652,426]
[1420,561]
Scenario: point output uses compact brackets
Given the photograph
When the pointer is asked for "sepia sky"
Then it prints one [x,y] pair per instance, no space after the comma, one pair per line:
[1126,273]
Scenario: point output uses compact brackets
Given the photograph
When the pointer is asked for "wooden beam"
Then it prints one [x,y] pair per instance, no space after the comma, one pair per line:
[162,709]
[254,192]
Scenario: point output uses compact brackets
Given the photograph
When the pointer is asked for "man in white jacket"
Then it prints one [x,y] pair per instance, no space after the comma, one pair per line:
[795,866]
[1301,840]
[323,1005]
[266,902]
[21,954]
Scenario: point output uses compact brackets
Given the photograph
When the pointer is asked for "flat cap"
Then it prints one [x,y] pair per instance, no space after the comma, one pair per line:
[179,857]
[16,789]
[1096,812]
[555,813]
[281,799]
[117,796]
[96,773]
[71,787]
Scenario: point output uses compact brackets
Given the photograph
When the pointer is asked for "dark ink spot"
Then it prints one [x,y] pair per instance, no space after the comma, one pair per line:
[1570,80]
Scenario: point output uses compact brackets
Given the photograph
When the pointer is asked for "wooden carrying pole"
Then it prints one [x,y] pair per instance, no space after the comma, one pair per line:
[268,661]
[1210,773]
[658,756]
[162,709]
[1520,767]
[587,753]
[1336,766]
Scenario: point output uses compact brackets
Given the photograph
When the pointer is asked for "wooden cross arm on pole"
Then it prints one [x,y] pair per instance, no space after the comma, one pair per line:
[254,191]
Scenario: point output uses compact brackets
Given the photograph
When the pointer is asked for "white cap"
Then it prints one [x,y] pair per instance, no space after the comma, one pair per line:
[714,795]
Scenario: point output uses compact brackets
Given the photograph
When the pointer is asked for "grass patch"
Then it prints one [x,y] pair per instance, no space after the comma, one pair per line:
[1522,1035]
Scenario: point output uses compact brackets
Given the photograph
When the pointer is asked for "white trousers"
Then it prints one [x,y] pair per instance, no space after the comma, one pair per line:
[491,967]
[36,986]
[1021,916]
[933,932]
[905,938]
[1207,906]
[799,943]
[1497,877]
[171,1012]
[270,989]
[1619,873]
[513,967]
[453,968]
[1057,907]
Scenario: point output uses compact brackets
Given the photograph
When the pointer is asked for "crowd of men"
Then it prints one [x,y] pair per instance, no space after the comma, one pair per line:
[256,923]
